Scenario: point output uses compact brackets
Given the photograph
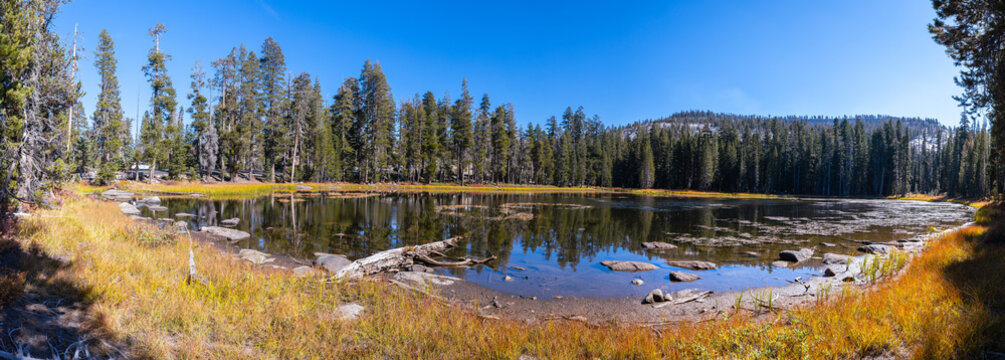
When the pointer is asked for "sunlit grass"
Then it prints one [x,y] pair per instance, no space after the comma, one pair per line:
[945,304]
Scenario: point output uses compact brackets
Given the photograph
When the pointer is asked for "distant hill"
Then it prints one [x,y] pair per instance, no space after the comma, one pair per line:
[697,120]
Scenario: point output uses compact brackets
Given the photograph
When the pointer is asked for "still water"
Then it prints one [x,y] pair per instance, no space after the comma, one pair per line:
[552,244]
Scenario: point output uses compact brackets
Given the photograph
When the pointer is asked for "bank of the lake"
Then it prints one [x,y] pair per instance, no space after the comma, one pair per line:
[128,284]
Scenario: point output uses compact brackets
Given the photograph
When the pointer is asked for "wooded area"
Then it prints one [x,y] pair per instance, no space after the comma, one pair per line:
[248,119]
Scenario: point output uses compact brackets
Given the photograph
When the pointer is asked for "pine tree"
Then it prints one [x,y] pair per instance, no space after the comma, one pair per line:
[107,117]
[206,140]
[460,126]
[377,106]
[162,103]
[274,104]
[431,133]
[347,129]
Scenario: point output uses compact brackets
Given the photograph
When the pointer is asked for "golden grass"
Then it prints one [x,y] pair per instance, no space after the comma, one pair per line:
[947,304]
[695,193]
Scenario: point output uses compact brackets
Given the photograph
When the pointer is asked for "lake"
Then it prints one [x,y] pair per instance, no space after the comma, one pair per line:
[552,244]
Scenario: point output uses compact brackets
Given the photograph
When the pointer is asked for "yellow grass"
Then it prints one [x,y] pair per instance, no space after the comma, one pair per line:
[946,304]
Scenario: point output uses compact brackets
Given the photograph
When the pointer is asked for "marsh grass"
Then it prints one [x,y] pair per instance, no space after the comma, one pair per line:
[947,304]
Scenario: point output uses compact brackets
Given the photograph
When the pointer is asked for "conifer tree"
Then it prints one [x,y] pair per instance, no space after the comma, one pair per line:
[162,105]
[460,125]
[107,116]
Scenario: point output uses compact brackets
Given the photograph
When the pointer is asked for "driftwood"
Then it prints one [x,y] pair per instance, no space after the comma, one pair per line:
[683,300]
[392,260]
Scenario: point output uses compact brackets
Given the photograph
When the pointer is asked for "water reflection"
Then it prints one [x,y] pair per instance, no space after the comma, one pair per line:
[559,239]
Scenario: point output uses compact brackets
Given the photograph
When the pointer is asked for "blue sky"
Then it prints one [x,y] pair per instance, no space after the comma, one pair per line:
[624,62]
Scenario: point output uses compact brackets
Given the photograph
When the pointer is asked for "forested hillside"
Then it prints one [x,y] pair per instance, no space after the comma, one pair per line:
[245,118]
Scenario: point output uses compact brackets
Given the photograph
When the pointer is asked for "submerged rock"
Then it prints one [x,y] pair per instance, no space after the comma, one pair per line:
[636,281]
[780,263]
[655,296]
[129,209]
[507,278]
[331,262]
[796,256]
[692,264]
[628,266]
[875,249]
[117,195]
[658,245]
[680,276]
[232,222]
[831,259]
[152,200]
[156,208]
[230,234]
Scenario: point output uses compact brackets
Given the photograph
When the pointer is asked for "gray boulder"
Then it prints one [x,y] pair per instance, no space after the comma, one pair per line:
[628,266]
[692,264]
[181,224]
[304,188]
[879,249]
[796,256]
[831,259]
[230,234]
[129,209]
[117,195]
[349,312]
[658,245]
[637,281]
[655,296]
[254,256]
[303,270]
[780,263]
[156,208]
[680,276]
[152,200]
[232,222]
[331,262]
[184,215]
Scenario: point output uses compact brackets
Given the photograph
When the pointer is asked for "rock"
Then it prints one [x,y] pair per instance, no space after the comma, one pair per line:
[875,249]
[751,253]
[331,262]
[413,278]
[254,256]
[304,188]
[831,259]
[181,224]
[156,208]
[655,296]
[780,263]
[117,195]
[184,215]
[796,256]
[636,281]
[628,266]
[129,209]
[692,264]
[303,270]
[829,272]
[230,234]
[517,268]
[152,200]
[680,276]
[232,222]
[420,268]
[507,278]
[658,245]
[827,244]
[349,312]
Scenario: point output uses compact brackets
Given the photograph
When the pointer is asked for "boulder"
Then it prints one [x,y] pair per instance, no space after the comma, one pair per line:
[129,209]
[184,215]
[331,262]
[304,188]
[780,263]
[156,208]
[680,276]
[303,270]
[349,312]
[507,278]
[655,296]
[879,249]
[232,222]
[692,264]
[254,256]
[636,281]
[230,234]
[829,272]
[830,259]
[117,195]
[658,245]
[628,266]
[796,256]
[420,268]
[181,224]
[152,200]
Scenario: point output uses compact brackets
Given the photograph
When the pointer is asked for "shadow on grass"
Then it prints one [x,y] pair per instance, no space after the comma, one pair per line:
[42,313]
[980,279]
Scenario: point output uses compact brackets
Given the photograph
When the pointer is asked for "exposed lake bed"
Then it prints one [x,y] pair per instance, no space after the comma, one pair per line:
[551,246]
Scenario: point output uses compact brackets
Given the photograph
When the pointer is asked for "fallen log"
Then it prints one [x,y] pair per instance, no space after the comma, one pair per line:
[392,260]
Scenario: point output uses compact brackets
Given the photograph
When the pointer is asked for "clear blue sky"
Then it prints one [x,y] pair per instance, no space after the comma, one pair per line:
[626,62]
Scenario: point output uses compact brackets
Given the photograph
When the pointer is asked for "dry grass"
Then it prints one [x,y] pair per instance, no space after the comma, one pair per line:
[947,304]
[695,193]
